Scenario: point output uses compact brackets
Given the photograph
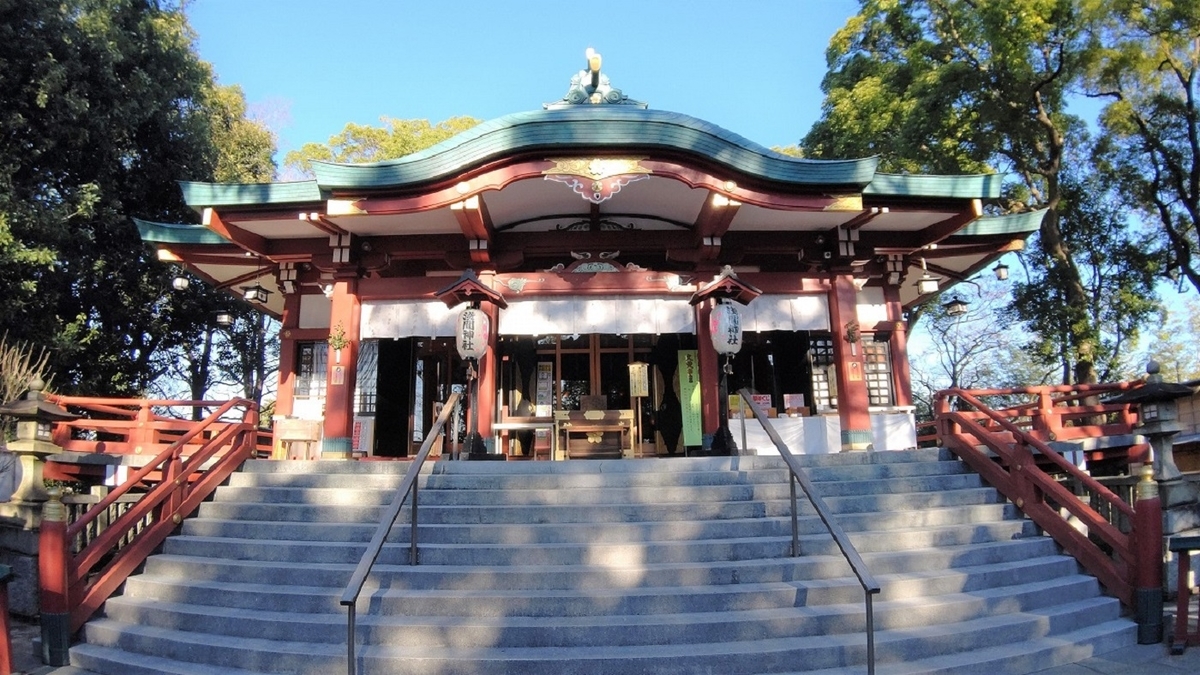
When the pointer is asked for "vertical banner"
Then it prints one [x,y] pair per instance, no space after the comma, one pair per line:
[689,396]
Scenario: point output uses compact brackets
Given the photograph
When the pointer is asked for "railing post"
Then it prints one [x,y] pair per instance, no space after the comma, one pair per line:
[795,518]
[6,575]
[351,666]
[173,474]
[1046,419]
[142,437]
[1022,461]
[412,535]
[1148,557]
[53,557]
[870,608]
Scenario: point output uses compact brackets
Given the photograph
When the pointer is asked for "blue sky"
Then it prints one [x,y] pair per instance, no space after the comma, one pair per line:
[308,66]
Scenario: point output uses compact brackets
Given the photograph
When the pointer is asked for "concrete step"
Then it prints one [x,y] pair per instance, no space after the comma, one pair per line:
[544,532]
[594,510]
[248,594]
[665,566]
[620,492]
[614,619]
[734,657]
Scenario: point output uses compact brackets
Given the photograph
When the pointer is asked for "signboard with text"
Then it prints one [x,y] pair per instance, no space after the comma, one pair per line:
[689,396]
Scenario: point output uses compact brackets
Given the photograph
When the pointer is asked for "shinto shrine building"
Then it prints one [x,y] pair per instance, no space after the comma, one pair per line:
[598,233]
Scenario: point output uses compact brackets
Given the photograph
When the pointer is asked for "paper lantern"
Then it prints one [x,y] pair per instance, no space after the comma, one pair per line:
[725,327]
[471,333]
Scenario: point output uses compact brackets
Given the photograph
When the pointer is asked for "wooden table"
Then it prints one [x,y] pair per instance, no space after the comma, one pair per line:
[597,422]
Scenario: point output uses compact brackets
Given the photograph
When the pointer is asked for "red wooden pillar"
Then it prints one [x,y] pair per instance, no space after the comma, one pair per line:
[6,575]
[898,345]
[848,360]
[290,321]
[710,371]
[1148,560]
[53,558]
[489,367]
[340,373]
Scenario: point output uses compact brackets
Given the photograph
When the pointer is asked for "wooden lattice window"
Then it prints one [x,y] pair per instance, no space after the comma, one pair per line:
[824,379]
[878,362]
[310,369]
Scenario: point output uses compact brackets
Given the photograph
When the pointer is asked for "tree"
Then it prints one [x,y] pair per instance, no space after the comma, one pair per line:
[362,143]
[1147,68]
[1118,267]
[1174,344]
[973,350]
[197,352]
[950,86]
[104,105]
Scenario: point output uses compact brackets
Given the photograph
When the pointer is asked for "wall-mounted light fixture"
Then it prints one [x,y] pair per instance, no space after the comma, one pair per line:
[926,284]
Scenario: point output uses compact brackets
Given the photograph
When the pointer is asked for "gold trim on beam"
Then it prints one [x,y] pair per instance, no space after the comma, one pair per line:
[848,202]
[344,207]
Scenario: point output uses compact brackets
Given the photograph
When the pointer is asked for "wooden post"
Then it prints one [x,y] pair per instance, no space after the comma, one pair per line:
[53,557]
[853,404]
[1148,559]
[898,345]
[340,373]
[285,394]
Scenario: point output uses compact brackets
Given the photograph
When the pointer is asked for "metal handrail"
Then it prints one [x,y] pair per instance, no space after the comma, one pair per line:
[865,579]
[409,484]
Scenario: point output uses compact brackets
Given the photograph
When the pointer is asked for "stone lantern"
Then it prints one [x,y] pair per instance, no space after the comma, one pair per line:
[35,417]
[1158,418]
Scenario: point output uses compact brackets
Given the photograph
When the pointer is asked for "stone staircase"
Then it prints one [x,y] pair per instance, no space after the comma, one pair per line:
[621,566]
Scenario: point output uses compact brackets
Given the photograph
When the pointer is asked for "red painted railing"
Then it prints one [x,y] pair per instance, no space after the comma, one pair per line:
[195,457]
[1016,434]
[119,426]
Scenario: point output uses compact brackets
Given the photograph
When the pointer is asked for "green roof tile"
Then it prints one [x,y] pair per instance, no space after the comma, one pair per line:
[171,233]
[1013,223]
[570,130]
[200,195]
[978,186]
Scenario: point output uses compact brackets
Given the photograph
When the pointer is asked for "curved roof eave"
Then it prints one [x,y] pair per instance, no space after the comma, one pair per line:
[1009,224]
[567,129]
[976,186]
[200,195]
[176,233]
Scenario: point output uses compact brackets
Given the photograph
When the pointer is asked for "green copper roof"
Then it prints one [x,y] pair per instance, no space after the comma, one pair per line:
[574,129]
[979,186]
[199,195]
[169,233]
[1013,223]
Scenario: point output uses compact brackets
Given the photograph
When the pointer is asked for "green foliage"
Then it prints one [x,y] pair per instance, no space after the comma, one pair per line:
[789,150]
[245,148]
[1118,266]
[1173,345]
[1147,68]
[960,86]
[104,105]
[362,143]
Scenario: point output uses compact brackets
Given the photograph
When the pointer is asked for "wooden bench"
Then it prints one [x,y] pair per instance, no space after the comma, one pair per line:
[503,431]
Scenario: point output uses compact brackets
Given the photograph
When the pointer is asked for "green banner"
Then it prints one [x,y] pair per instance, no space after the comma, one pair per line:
[689,395]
